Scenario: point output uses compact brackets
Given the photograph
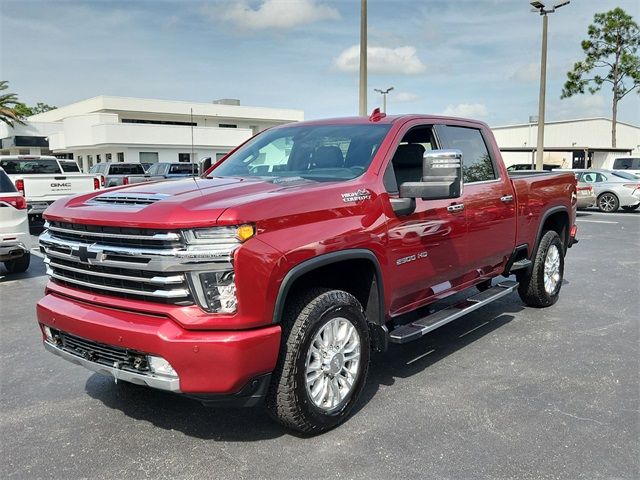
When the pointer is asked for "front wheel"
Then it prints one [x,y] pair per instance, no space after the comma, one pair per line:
[323,362]
[608,203]
[540,284]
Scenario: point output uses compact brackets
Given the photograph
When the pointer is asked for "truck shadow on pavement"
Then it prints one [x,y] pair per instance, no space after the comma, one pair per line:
[175,412]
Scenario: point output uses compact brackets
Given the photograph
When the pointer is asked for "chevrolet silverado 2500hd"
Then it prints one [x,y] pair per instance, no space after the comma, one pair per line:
[276,273]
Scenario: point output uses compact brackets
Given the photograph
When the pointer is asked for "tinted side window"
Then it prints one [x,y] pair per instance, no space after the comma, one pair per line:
[477,165]
[126,169]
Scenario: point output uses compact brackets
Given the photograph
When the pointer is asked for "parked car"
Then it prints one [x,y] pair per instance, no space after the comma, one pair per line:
[613,188]
[167,171]
[586,195]
[629,164]
[516,167]
[114,174]
[276,275]
[41,180]
[14,227]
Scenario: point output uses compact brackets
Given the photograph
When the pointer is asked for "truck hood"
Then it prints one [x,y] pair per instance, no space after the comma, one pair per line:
[175,204]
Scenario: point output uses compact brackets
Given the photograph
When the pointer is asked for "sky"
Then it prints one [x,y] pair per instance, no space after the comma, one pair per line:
[477,59]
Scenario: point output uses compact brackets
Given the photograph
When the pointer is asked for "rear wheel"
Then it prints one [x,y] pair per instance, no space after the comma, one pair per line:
[631,209]
[18,265]
[540,284]
[323,362]
[608,203]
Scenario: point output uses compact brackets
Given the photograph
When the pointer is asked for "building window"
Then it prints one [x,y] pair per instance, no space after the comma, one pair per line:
[98,159]
[159,122]
[148,157]
[121,156]
[108,157]
[90,160]
[184,157]
[227,125]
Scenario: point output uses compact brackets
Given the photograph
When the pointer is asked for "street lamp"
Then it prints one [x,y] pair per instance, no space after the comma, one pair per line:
[363,57]
[384,94]
[540,8]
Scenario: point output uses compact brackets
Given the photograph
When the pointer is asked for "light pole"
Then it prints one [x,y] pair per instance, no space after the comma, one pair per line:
[540,8]
[384,94]
[363,57]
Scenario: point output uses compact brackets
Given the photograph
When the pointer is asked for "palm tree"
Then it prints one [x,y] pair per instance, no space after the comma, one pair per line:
[8,102]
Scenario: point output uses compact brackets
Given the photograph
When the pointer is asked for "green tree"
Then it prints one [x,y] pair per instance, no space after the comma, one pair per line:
[25,111]
[8,102]
[610,57]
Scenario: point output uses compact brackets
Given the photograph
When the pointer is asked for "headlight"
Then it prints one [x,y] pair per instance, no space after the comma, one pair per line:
[215,290]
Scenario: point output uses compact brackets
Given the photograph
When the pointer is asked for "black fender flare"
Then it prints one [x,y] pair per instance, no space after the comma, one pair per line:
[326,259]
[543,218]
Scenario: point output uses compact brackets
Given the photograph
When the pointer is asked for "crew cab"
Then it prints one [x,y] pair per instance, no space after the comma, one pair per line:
[274,275]
[167,171]
[114,174]
[41,180]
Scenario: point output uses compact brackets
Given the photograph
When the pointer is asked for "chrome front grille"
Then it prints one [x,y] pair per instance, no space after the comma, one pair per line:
[138,264]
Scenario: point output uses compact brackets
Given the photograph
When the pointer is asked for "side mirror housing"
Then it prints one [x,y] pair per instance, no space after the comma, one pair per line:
[441,177]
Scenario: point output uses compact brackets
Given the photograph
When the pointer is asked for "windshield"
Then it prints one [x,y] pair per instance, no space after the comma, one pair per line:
[313,152]
[29,166]
[626,164]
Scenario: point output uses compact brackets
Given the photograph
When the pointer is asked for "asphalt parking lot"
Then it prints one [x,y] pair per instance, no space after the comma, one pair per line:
[508,392]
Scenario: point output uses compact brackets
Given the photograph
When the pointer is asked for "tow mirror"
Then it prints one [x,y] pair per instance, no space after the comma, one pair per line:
[441,177]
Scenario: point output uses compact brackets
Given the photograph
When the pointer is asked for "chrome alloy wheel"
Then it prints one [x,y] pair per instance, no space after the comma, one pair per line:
[607,202]
[333,364]
[552,269]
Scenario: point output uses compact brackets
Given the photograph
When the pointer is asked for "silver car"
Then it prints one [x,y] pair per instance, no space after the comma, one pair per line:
[613,189]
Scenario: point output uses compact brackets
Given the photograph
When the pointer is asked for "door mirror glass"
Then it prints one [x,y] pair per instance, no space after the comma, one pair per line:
[441,177]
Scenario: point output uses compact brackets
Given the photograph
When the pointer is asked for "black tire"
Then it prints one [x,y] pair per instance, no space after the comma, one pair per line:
[532,289]
[18,265]
[608,202]
[485,285]
[287,400]
[631,209]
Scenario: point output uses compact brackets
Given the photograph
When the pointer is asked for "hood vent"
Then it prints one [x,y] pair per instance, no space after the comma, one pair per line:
[129,199]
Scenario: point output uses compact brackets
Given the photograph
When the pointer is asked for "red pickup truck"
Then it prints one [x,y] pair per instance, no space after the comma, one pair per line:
[274,275]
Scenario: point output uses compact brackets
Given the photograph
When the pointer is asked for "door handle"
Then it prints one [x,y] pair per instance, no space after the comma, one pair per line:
[458,207]
[506,198]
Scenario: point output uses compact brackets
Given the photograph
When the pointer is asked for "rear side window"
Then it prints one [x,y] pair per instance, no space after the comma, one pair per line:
[185,169]
[6,185]
[477,164]
[71,167]
[626,164]
[29,166]
[126,169]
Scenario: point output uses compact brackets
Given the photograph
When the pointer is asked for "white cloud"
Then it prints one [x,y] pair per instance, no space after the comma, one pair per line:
[405,97]
[468,110]
[399,61]
[273,14]
[527,73]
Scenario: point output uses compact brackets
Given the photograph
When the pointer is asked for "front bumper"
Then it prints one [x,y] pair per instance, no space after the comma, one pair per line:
[207,362]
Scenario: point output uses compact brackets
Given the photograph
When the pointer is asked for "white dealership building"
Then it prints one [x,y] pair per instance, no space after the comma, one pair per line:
[111,129]
[580,143]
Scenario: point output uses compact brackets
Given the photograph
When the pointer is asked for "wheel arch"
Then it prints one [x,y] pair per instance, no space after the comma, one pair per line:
[356,271]
[556,219]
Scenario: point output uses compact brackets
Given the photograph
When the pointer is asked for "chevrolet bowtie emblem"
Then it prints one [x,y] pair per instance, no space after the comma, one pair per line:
[85,256]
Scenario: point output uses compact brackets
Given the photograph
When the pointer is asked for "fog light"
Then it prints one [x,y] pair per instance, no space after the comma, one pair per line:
[160,366]
[48,334]
[219,291]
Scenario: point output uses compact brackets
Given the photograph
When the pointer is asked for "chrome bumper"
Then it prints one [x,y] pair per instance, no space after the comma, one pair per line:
[171,385]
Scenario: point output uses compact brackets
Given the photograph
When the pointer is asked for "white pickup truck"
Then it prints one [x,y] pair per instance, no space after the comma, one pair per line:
[42,181]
